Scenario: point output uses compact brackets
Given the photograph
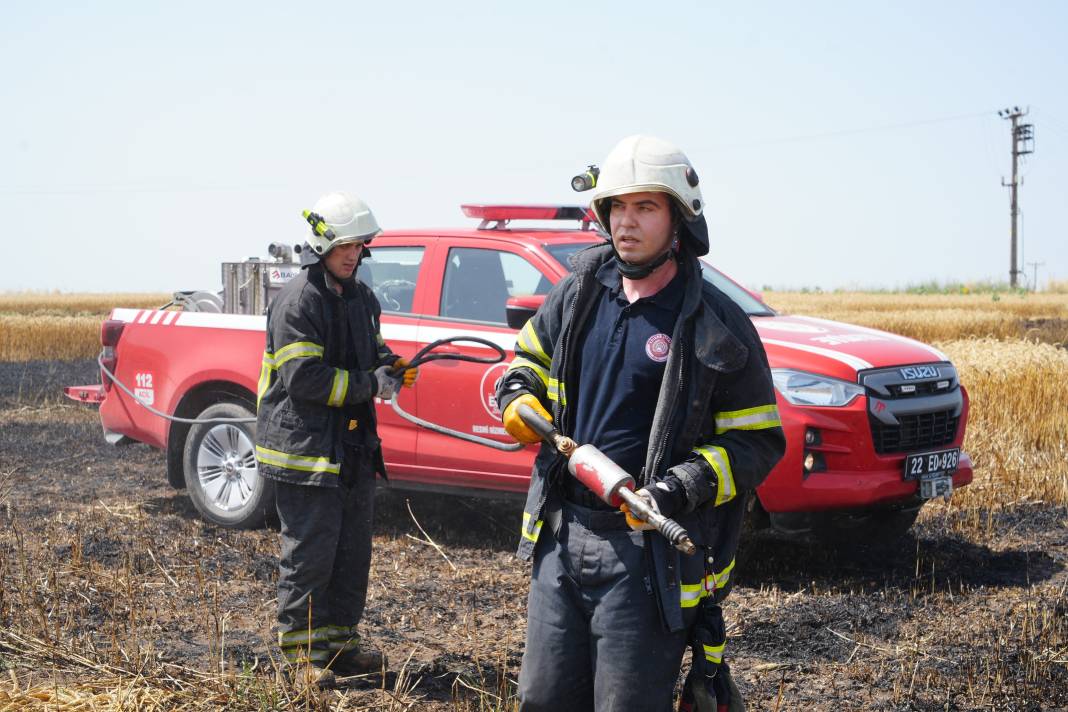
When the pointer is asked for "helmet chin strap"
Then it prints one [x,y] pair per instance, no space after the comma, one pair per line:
[640,271]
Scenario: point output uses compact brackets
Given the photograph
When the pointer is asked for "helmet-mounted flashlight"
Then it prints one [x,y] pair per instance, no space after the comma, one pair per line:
[319,225]
[586,181]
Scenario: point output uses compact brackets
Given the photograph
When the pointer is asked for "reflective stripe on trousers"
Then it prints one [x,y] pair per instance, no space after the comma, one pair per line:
[326,556]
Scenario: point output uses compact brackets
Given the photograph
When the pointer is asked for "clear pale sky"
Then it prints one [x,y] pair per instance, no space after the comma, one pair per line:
[839,144]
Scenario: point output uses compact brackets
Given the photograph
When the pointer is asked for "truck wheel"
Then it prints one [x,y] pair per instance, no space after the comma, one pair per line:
[874,530]
[221,473]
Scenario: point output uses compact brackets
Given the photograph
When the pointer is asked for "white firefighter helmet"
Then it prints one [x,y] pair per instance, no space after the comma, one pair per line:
[644,163]
[337,219]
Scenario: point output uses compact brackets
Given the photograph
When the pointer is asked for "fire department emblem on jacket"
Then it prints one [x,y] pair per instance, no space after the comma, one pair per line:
[657,347]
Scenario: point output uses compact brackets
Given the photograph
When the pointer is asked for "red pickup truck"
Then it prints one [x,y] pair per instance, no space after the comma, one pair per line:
[874,421]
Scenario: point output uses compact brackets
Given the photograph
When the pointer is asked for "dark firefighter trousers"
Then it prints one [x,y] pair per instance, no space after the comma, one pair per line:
[595,640]
[324,563]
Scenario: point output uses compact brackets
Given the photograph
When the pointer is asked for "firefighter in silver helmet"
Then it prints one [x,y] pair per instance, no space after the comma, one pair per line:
[636,354]
[324,364]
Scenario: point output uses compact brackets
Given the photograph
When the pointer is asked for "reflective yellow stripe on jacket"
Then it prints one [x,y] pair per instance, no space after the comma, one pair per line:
[553,388]
[690,594]
[717,580]
[265,379]
[272,362]
[528,341]
[297,349]
[719,460]
[540,371]
[759,418]
[339,389]
[531,527]
[557,392]
[300,463]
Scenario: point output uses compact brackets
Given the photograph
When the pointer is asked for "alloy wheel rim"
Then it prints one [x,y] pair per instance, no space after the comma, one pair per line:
[226,468]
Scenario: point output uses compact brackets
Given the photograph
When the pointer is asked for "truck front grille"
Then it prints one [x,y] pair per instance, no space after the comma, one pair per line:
[915,432]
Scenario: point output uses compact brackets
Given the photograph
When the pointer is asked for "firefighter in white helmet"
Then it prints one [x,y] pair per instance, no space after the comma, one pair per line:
[636,354]
[325,362]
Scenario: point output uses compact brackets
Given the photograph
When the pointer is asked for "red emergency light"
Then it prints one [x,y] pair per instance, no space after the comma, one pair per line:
[110,331]
[502,214]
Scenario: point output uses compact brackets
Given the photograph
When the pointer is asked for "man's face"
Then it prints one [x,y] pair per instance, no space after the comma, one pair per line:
[342,260]
[642,226]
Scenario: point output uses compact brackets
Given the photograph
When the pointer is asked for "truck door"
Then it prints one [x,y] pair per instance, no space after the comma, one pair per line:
[477,280]
[396,273]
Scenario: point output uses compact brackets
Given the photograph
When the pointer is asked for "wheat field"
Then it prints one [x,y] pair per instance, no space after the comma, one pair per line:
[58,326]
[938,317]
[1018,426]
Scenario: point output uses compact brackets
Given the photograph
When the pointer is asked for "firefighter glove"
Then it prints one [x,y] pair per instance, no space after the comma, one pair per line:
[408,373]
[387,384]
[639,525]
[665,496]
[515,425]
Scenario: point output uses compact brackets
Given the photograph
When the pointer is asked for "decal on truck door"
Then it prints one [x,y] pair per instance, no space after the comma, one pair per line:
[488,388]
[143,388]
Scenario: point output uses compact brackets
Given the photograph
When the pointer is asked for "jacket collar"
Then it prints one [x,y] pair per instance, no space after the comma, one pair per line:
[321,277]
[715,346]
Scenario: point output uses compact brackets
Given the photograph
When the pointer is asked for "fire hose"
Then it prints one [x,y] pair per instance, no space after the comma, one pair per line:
[424,355]
[586,463]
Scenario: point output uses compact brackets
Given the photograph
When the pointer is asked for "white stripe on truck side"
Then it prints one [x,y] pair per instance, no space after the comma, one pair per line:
[395,332]
[892,337]
[854,362]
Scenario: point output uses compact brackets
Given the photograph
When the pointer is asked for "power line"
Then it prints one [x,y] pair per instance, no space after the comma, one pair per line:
[854,131]
[122,190]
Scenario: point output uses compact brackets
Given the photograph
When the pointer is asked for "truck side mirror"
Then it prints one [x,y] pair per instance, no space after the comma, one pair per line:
[520,309]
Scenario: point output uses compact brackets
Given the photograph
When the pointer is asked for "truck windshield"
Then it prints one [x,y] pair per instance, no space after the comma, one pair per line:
[749,304]
[563,251]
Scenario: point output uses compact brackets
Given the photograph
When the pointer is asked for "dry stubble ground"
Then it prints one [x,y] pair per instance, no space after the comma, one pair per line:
[113,591]
[114,594]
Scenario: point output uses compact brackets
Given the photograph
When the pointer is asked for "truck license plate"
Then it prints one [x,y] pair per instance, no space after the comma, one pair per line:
[924,465]
[932,487]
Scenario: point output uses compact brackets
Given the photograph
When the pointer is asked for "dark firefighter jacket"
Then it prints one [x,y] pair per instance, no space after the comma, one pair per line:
[716,409]
[317,379]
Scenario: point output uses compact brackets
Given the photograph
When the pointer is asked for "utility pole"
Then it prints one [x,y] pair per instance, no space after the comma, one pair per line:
[1034,274]
[1023,142]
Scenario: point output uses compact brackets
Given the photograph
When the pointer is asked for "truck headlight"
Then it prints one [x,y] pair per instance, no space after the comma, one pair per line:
[801,388]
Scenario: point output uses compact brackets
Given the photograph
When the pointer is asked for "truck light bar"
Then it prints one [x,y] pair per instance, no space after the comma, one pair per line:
[502,214]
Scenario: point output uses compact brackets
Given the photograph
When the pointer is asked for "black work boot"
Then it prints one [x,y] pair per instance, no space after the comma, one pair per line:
[349,657]
[357,661]
[310,673]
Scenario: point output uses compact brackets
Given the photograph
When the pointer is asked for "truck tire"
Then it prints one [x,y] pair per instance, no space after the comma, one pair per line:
[220,470]
[876,530]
